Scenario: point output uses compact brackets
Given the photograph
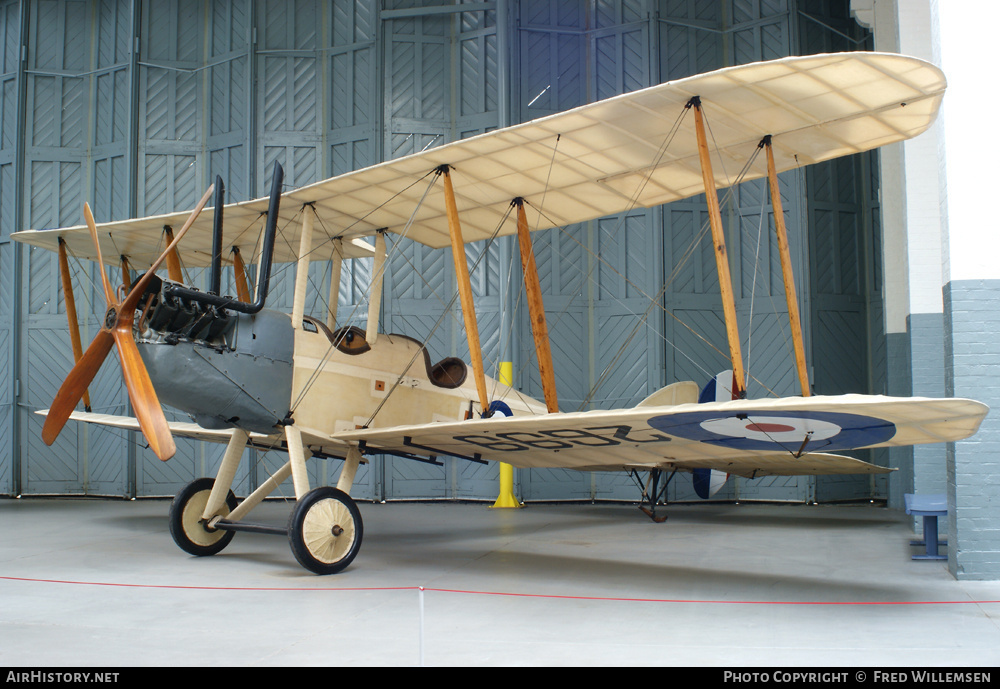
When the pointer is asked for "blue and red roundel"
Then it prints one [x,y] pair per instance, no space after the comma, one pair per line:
[777,430]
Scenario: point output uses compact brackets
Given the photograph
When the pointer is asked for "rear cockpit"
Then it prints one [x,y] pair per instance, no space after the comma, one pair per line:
[448,373]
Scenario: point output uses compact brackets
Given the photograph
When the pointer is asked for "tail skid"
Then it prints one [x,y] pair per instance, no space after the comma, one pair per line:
[652,493]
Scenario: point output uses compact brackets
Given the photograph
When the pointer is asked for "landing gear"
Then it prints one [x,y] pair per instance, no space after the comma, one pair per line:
[187,526]
[325,530]
[652,492]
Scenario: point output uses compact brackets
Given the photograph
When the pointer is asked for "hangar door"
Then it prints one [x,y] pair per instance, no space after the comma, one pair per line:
[181,90]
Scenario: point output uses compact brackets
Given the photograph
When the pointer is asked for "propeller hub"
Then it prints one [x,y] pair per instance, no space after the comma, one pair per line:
[111,318]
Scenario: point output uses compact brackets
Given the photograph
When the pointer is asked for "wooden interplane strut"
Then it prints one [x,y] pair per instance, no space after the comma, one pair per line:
[173,258]
[536,310]
[126,274]
[786,270]
[465,289]
[240,275]
[74,324]
[721,257]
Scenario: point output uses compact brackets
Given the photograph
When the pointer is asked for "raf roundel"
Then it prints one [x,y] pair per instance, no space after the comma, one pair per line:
[769,430]
[777,429]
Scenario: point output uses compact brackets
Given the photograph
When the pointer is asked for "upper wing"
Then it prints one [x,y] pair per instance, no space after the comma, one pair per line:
[787,436]
[595,160]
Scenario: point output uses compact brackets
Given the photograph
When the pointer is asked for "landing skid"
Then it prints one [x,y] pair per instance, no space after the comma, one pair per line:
[652,493]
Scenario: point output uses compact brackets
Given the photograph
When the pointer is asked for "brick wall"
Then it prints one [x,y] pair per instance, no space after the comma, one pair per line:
[972,369]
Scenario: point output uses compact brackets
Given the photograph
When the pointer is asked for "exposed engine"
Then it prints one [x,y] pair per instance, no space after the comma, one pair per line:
[239,364]
[174,318]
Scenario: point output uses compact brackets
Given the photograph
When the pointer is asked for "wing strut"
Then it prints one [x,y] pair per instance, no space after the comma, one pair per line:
[786,269]
[375,296]
[302,269]
[465,289]
[173,258]
[74,324]
[536,309]
[721,258]
[126,273]
[336,263]
[240,276]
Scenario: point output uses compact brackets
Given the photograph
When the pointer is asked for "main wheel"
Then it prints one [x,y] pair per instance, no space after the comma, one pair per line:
[186,524]
[325,530]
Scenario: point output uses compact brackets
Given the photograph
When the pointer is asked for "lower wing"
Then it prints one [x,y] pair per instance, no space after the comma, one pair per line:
[788,436]
[316,441]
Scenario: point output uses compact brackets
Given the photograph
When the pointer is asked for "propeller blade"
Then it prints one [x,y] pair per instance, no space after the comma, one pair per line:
[75,385]
[145,404]
[109,293]
[140,388]
[132,300]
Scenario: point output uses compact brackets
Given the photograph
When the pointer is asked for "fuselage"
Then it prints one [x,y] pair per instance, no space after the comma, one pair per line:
[261,373]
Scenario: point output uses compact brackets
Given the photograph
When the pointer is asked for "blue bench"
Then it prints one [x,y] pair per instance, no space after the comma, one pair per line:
[930,507]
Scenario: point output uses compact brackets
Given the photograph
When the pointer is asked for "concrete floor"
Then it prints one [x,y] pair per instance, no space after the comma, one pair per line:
[100,583]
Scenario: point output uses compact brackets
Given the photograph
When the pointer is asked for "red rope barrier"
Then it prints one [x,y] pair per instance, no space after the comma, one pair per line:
[497,593]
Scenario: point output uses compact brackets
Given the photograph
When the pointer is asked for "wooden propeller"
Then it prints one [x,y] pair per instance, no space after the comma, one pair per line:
[117,330]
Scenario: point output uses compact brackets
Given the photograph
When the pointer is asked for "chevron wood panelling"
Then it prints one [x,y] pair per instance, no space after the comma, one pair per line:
[685,51]
[6,282]
[410,479]
[61,467]
[6,412]
[623,360]
[554,484]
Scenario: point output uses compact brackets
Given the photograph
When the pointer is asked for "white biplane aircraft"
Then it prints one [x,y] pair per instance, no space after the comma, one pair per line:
[250,375]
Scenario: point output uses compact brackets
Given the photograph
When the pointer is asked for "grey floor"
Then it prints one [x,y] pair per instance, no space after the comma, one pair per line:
[100,583]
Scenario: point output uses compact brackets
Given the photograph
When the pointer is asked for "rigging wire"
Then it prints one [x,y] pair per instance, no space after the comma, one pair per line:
[656,301]
[753,284]
[510,332]
[439,321]
[340,235]
[622,217]
[315,374]
[730,200]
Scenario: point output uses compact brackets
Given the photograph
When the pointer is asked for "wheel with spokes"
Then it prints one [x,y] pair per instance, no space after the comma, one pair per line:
[187,525]
[325,530]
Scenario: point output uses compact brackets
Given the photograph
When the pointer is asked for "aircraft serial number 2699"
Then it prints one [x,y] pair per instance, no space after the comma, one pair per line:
[561,438]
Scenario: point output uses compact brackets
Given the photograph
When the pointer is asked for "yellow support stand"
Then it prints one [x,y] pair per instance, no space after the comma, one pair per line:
[506,497]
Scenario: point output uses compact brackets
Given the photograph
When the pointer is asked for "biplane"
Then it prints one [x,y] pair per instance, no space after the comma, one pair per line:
[250,375]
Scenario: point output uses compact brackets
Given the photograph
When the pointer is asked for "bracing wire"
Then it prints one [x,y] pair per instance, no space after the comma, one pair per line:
[753,284]
[315,374]
[444,314]
[657,300]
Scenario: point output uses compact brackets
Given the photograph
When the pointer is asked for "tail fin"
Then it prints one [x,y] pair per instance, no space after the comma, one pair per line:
[708,482]
[718,389]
